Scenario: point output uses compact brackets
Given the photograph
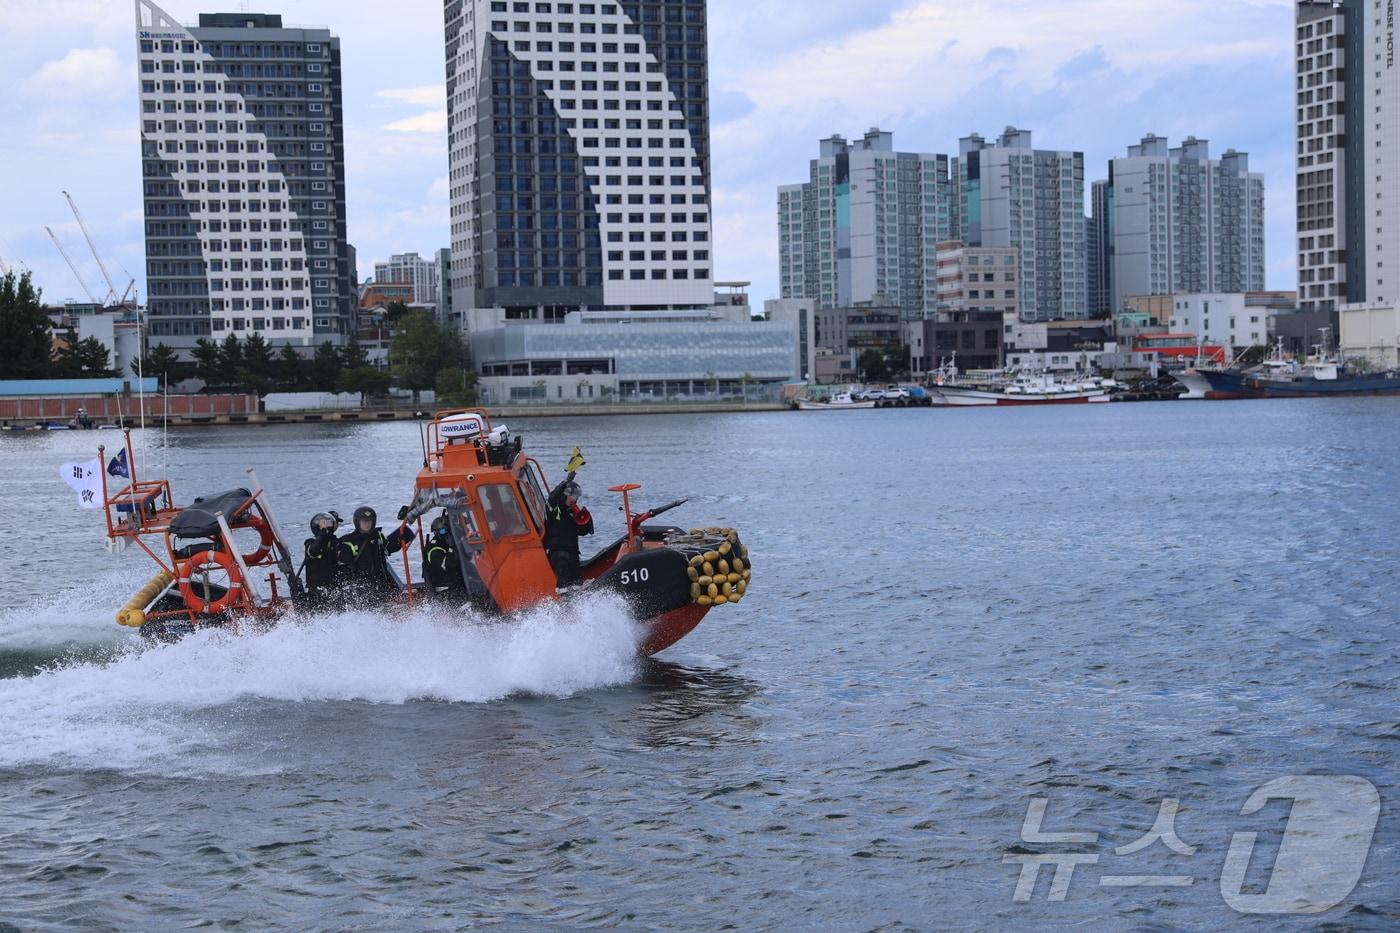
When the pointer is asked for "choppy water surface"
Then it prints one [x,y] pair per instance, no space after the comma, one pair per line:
[953,613]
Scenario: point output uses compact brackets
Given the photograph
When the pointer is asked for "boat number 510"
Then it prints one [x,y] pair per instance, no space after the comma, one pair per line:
[640,575]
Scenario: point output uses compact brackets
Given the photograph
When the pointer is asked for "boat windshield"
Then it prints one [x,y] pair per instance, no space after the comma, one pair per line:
[502,511]
[534,497]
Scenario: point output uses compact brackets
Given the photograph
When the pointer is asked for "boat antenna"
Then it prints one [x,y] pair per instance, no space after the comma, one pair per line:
[423,436]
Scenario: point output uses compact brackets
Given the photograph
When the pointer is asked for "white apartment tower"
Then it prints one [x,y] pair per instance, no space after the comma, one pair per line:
[578,155]
[865,226]
[1380,273]
[1011,194]
[1181,221]
[243,176]
[410,269]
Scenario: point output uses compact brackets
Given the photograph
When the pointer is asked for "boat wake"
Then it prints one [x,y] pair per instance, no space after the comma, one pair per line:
[143,707]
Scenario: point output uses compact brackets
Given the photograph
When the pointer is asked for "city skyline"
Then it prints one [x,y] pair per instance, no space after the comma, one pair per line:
[75,120]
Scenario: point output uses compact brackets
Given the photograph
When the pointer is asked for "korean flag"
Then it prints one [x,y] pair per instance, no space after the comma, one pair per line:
[86,480]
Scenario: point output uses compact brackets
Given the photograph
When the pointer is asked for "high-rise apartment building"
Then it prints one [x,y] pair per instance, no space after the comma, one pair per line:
[1180,221]
[864,227]
[1333,67]
[410,269]
[243,175]
[579,157]
[1098,238]
[1378,270]
[1012,194]
[442,268]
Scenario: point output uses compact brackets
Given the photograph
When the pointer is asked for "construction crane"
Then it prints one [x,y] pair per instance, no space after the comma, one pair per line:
[68,259]
[111,289]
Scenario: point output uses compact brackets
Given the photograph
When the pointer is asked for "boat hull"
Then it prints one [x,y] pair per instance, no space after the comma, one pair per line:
[1196,385]
[804,404]
[1228,384]
[946,397]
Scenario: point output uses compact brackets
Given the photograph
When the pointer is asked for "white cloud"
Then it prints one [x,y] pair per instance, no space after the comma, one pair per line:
[426,96]
[80,73]
[433,121]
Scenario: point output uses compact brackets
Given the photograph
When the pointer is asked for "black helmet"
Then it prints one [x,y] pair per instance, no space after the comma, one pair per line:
[323,521]
[572,489]
[440,526]
[365,512]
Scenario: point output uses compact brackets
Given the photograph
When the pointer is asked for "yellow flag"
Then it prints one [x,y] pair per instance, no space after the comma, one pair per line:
[575,462]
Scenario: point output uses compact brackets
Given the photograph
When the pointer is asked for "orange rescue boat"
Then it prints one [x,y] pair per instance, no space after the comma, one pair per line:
[213,572]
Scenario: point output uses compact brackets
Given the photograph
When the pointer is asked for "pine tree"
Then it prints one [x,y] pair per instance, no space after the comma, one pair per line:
[26,339]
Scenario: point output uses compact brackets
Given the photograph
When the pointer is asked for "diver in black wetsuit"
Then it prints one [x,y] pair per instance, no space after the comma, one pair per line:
[363,556]
[441,568]
[321,566]
[565,521]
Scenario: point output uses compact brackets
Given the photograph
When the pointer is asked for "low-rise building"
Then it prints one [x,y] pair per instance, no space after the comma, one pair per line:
[1371,332]
[1221,318]
[859,328]
[1058,346]
[977,278]
[965,339]
[386,293]
[589,356]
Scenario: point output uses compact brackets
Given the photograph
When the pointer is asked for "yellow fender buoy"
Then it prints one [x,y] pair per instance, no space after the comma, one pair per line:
[692,573]
[721,600]
[704,601]
[708,569]
[725,548]
[712,591]
[711,556]
[133,614]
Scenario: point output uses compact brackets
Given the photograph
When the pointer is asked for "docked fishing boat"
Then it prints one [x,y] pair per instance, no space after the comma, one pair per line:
[1024,388]
[1279,376]
[840,401]
[224,561]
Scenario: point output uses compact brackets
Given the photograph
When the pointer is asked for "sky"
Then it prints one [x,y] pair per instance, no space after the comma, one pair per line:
[1087,75]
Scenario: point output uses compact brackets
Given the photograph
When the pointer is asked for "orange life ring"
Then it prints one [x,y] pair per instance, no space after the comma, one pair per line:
[198,560]
[264,545]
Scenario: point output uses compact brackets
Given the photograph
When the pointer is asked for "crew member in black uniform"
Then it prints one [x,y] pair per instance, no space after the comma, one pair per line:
[363,555]
[441,568]
[565,521]
[321,565]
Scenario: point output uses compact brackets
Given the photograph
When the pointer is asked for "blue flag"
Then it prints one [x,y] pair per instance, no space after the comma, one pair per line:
[118,466]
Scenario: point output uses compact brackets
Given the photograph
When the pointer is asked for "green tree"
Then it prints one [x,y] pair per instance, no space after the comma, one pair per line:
[206,360]
[65,359]
[455,386]
[92,358]
[161,363]
[326,368]
[352,355]
[289,369]
[395,310]
[257,356]
[230,359]
[874,365]
[365,379]
[26,337]
[422,349]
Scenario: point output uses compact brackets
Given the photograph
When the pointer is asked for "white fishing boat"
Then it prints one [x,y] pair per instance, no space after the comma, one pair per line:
[1024,388]
[841,401]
